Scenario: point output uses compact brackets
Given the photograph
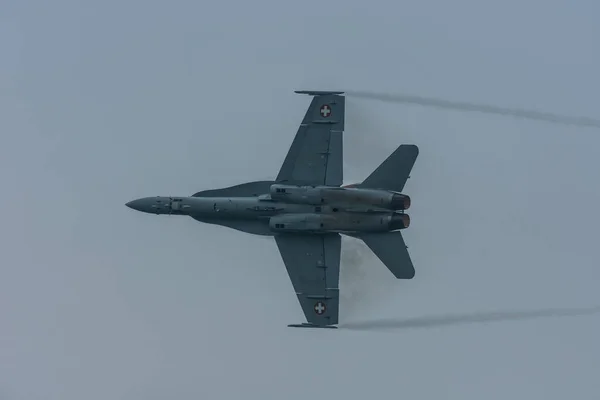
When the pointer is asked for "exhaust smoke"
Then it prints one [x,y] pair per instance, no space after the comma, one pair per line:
[473,107]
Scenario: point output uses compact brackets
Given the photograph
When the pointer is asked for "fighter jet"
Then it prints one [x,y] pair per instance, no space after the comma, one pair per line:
[307,207]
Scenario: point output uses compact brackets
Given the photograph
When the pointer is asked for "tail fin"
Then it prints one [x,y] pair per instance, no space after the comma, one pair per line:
[390,248]
[394,171]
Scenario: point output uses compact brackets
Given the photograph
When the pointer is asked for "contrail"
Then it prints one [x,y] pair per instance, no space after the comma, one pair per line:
[461,319]
[482,108]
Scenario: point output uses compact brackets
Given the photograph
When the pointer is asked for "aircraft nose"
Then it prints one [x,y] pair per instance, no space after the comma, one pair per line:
[138,205]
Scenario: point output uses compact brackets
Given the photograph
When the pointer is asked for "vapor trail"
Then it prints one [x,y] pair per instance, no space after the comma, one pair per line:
[436,321]
[482,108]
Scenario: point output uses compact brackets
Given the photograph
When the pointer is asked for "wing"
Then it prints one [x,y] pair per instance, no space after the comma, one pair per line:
[316,154]
[313,265]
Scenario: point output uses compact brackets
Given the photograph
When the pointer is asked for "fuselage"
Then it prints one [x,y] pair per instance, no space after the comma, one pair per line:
[291,209]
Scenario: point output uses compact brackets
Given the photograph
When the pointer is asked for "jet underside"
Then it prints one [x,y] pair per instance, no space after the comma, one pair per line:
[290,209]
[306,208]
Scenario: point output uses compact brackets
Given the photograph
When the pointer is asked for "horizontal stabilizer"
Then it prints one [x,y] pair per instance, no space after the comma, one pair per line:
[317,92]
[390,248]
[393,173]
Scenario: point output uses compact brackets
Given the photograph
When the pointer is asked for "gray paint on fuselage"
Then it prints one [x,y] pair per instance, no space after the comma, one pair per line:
[248,214]
[220,207]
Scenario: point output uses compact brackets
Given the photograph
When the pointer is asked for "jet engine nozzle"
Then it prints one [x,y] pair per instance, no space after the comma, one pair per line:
[400,202]
[399,221]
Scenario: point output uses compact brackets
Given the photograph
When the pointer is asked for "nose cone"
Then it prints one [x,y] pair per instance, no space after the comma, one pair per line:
[143,205]
[137,205]
[152,205]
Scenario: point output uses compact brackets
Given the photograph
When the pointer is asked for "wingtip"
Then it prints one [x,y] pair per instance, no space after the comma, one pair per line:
[318,92]
[309,325]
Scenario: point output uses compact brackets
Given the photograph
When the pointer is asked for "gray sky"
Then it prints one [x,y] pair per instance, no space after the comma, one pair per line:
[108,101]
